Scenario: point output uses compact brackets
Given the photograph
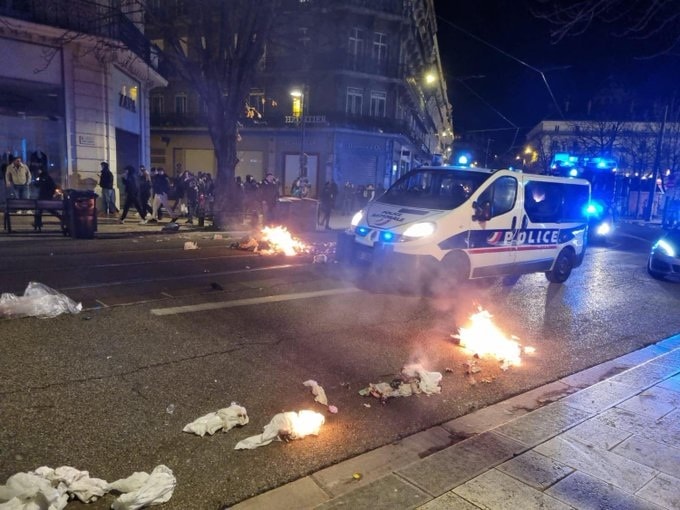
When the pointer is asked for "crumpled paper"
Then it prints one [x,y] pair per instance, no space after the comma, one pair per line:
[50,489]
[226,419]
[288,425]
[38,301]
[142,489]
[414,379]
[318,392]
[190,245]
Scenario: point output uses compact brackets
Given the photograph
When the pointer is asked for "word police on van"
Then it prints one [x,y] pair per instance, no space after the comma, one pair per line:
[458,223]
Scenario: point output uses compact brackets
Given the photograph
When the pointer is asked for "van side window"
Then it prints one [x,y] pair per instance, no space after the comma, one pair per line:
[543,201]
[501,195]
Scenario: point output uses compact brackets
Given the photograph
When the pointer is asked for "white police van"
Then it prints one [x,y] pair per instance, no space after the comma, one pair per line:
[458,223]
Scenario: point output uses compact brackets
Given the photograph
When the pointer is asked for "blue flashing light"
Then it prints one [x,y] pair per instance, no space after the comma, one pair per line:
[593,209]
[386,236]
[573,172]
[463,160]
[362,231]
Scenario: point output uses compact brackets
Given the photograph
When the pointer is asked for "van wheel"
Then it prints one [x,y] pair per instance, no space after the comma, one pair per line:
[456,268]
[562,268]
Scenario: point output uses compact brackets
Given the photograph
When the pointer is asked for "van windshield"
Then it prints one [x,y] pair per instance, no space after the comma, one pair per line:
[434,188]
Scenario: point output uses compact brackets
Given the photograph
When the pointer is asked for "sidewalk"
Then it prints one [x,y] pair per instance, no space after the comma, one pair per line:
[605,438]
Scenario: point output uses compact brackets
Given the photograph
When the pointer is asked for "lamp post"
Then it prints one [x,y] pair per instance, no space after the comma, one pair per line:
[298,96]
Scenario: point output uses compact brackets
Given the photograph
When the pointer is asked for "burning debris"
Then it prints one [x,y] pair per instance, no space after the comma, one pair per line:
[412,380]
[46,487]
[484,338]
[225,419]
[285,427]
[272,241]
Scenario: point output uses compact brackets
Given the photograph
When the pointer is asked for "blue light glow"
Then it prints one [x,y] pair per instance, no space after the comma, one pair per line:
[573,172]
[362,231]
[386,236]
[463,160]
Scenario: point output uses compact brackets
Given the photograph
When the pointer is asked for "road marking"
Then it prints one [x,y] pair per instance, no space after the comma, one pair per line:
[249,302]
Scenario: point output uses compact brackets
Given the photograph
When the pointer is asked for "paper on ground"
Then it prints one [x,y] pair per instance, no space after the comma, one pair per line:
[317,391]
[226,419]
[142,489]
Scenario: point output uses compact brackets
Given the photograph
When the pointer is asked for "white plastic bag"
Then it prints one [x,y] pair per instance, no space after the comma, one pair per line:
[38,301]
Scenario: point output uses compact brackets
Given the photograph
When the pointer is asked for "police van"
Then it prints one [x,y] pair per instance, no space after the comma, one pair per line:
[456,223]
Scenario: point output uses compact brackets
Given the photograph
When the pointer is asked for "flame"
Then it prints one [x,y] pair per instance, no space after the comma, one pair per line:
[282,241]
[306,422]
[484,338]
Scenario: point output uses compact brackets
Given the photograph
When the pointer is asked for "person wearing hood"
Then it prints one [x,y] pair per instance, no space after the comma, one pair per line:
[131,182]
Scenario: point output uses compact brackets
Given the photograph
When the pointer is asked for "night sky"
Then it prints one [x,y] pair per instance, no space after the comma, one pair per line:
[492,93]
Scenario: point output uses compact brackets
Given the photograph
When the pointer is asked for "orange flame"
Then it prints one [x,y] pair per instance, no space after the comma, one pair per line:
[306,422]
[484,338]
[281,240]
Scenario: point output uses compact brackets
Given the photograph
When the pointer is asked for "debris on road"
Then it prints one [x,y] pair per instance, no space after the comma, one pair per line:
[190,245]
[226,419]
[53,488]
[318,392]
[170,227]
[413,379]
[283,427]
[38,301]
[141,489]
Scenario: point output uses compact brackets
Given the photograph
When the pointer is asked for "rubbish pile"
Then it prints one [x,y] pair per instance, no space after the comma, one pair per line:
[413,379]
[47,488]
[38,301]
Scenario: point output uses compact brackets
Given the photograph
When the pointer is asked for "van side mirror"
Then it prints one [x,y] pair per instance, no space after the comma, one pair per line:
[482,211]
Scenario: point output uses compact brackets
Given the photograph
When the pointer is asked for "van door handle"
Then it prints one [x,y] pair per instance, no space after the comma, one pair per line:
[525,221]
[513,225]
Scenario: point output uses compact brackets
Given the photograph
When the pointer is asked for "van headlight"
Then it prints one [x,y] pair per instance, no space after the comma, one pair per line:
[603,229]
[420,230]
[357,218]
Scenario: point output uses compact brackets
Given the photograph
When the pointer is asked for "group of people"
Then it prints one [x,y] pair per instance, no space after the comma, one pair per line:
[258,198]
[149,191]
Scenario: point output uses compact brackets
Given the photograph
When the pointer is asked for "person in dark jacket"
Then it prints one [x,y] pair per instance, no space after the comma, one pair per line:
[131,183]
[106,184]
[269,194]
[46,188]
[161,188]
[145,189]
[326,200]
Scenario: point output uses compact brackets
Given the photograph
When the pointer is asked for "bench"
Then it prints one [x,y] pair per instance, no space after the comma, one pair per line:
[14,206]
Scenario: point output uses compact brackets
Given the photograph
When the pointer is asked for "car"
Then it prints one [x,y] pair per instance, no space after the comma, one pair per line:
[664,259]
[600,222]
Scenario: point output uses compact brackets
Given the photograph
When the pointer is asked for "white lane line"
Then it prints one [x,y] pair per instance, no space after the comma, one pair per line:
[101,303]
[166,294]
[248,302]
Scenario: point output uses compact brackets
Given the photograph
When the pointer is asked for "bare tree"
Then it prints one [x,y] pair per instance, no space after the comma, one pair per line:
[597,137]
[216,47]
[657,21]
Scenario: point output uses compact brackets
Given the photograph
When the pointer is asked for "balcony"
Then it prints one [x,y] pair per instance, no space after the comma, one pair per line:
[84,16]
[335,60]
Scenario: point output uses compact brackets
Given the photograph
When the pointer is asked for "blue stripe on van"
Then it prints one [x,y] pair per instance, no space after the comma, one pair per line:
[490,241]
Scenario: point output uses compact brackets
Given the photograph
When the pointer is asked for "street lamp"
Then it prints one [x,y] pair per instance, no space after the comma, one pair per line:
[299,113]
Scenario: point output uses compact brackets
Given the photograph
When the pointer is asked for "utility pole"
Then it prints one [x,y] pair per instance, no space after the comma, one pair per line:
[649,209]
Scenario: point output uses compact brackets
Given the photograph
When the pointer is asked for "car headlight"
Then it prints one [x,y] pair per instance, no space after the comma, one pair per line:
[357,218]
[665,247]
[420,230]
[603,229]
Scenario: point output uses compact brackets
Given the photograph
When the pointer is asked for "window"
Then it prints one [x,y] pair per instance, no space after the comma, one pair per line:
[355,97]
[379,47]
[378,101]
[550,202]
[157,104]
[501,195]
[181,103]
[356,42]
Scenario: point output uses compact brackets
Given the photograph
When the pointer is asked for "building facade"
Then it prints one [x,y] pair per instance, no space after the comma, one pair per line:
[74,87]
[356,94]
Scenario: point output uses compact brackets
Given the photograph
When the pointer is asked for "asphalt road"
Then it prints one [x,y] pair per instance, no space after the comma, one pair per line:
[168,335]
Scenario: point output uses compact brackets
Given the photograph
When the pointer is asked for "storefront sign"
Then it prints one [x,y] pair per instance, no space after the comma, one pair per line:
[86,140]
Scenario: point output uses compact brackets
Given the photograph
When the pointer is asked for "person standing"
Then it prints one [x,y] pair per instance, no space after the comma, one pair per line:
[161,187]
[269,193]
[18,179]
[326,205]
[131,183]
[106,184]
[46,188]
